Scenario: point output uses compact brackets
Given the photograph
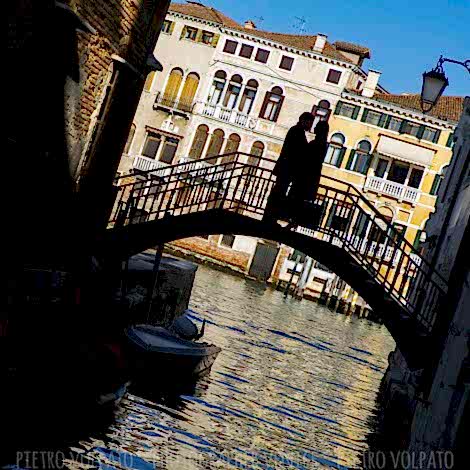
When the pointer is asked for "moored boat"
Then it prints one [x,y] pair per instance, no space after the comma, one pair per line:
[155,350]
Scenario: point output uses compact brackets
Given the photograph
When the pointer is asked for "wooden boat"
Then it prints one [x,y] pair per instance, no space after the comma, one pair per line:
[154,349]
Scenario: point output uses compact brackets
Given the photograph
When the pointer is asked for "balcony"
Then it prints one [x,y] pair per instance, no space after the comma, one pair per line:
[181,106]
[142,163]
[396,190]
[231,116]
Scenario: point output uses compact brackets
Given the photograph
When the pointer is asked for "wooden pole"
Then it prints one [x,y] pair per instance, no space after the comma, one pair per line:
[294,271]
[153,288]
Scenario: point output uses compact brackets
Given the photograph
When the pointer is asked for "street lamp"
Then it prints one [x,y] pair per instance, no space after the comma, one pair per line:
[435,82]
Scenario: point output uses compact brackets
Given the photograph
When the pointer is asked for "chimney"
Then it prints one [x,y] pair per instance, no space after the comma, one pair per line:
[249,25]
[320,41]
[371,83]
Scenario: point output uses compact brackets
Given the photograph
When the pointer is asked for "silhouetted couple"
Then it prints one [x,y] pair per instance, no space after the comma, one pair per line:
[297,170]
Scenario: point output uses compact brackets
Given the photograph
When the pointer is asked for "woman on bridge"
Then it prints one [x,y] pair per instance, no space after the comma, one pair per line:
[304,188]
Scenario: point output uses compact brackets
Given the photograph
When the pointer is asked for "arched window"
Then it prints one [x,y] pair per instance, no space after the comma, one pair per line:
[321,112]
[360,158]
[199,142]
[272,104]
[436,184]
[336,150]
[257,150]
[191,83]
[233,92]
[233,143]
[248,97]
[149,81]
[172,87]
[130,138]
[218,85]
[215,145]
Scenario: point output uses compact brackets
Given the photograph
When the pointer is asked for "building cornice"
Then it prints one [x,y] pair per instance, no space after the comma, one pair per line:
[195,19]
[407,112]
[284,47]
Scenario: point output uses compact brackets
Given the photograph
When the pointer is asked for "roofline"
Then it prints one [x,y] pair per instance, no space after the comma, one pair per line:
[449,124]
[279,45]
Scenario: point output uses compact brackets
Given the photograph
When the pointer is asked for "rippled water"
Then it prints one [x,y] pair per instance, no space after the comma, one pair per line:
[294,387]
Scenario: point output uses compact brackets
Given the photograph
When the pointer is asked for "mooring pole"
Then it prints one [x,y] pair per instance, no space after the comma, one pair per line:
[286,292]
[153,288]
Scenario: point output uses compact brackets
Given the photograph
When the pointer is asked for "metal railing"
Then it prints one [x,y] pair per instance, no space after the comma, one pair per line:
[172,103]
[341,215]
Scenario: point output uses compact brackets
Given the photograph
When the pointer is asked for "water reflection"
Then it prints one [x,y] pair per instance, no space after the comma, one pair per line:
[293,387]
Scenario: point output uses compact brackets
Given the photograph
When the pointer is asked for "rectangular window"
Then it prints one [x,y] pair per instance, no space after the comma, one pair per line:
[246,51]
[410,128]
[151,145]
[262,55]
[348,110]
[381,167]
[286,63]
[296,253]
[334,76]
[394,124]
[398,172]
[190,33]
[416,176]
[169,150]
[167,27]
[230,46]
[373,117]
[430,134]
[227,240]
[207,37]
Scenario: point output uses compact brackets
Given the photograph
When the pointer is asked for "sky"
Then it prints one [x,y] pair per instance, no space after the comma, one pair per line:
[406,37]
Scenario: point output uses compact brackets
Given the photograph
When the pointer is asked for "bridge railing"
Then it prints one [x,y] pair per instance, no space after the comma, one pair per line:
[339,213]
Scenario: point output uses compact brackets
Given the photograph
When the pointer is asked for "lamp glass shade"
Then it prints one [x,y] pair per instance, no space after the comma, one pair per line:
[434,84]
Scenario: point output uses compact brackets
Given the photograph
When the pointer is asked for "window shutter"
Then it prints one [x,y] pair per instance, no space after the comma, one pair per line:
[364,115]
[183,32]
[264,105]
[350,159]
[338,107]
[355,112]
[403,126]
[383,119]
[367,166]
[435,185]
[420,133]
[417,239]
[278,110]
[450,139]
[387,120]
[341,157]
[215,40]
[437,136]
[172,27]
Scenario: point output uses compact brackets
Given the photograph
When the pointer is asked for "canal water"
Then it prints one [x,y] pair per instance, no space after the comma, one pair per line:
[294,387]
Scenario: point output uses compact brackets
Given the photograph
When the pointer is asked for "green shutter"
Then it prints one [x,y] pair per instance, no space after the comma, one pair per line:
[350,159]
[341,157]
[369,160]
[183,32]
[435,185]
[403,125]
[383,119]
[387,120]
[420,133]
[338,107]
[437,136]
[450,140]
[355,112]
[417,239]
[364,115]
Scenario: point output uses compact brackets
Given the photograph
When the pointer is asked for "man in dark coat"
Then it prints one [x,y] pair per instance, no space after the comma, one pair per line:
[287,166]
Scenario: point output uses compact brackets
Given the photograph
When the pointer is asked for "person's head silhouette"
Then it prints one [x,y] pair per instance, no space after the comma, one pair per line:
[306,121]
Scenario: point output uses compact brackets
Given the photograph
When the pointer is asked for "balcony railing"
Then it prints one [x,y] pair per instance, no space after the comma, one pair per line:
[231,116]
[168,102]
[142,163]
[390,188]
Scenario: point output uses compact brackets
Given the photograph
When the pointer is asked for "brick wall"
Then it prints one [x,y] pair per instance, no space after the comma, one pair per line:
[209,250]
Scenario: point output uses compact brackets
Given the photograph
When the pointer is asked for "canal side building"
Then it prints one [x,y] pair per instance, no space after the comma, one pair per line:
[227,87]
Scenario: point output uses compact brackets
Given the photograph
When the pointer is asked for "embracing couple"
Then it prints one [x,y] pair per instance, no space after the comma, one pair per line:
[297,170]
